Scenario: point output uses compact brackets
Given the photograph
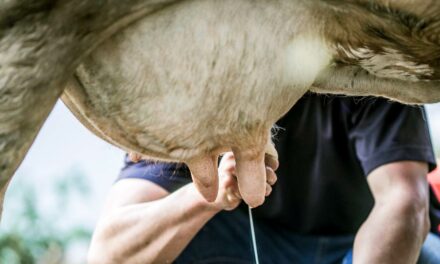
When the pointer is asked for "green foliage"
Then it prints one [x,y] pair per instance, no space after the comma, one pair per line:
[36,235]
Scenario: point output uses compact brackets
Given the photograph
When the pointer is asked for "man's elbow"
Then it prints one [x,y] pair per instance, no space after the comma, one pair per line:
[95,256]
[102,247]
[100,253]
[412,210]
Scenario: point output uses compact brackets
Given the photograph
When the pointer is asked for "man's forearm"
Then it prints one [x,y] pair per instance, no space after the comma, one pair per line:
[149,232]
[391,236]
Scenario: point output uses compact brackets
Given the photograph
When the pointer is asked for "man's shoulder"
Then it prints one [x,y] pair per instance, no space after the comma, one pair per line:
[170,176]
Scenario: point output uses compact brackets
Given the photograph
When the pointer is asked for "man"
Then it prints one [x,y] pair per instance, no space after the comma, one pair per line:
[351,182]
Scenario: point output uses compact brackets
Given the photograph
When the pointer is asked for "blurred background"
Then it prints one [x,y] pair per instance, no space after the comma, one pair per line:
[54,200]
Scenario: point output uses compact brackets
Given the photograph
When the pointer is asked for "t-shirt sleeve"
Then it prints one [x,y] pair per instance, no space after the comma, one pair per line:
[170,176]
[383,132]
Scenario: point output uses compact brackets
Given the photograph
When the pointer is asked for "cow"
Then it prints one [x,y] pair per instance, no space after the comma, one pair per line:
[188,80]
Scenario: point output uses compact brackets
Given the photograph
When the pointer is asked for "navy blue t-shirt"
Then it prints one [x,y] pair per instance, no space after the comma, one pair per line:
[327,145]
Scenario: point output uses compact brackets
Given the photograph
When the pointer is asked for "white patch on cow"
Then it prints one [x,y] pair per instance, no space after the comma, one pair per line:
[388,64]
[306,57]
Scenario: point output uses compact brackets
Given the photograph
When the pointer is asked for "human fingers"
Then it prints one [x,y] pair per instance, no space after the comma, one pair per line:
[268,190]
[230,183]
[227,164]
[271,176]
[271,161]
[232,200]
[134,157]
[228,156]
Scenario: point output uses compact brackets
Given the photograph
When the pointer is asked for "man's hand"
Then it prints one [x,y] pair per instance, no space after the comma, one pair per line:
[229,196]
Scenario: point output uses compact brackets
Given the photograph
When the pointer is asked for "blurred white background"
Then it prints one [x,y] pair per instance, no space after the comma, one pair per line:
[64,147]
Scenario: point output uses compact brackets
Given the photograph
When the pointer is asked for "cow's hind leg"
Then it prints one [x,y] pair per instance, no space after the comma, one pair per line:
[41,44]
[22,112]
[30,84]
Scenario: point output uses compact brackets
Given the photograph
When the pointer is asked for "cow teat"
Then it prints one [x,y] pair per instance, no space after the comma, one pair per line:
[205,176]
[251,175]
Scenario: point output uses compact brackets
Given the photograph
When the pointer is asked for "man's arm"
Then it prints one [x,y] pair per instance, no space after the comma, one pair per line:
[143,223]
[398,224]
